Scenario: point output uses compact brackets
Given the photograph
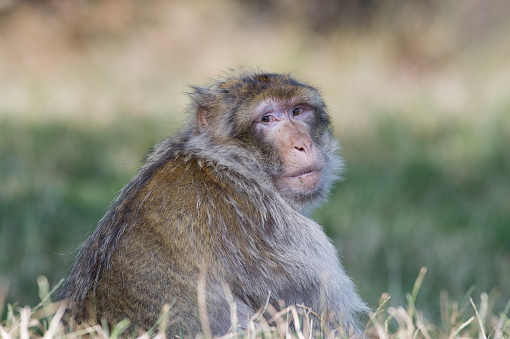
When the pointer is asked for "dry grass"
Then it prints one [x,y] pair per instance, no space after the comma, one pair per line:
[465,321]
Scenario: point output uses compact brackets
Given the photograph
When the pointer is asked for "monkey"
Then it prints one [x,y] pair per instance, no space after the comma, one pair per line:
[223,204]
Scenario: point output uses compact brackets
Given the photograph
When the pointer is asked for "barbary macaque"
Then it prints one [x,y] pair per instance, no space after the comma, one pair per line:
[223,202]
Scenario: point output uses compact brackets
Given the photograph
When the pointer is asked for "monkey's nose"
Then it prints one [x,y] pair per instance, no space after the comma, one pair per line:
[305,148]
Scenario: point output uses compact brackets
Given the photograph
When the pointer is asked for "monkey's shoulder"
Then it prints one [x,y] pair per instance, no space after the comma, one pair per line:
[192,187]
[191,177]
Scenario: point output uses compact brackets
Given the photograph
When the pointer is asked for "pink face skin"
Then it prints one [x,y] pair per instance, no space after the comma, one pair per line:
[287,126]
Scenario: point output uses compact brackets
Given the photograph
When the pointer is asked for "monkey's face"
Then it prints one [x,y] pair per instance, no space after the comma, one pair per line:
[294,160]
[283,124]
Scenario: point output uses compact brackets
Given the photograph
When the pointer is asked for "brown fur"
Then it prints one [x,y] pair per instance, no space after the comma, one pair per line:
[209,198]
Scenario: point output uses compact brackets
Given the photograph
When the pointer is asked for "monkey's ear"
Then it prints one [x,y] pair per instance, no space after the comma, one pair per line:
[204,100]
[202,118]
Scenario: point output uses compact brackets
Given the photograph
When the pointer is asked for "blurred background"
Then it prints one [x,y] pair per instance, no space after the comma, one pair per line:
[419,93]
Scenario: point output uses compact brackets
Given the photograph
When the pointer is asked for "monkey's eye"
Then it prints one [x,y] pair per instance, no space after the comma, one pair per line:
[297,110]
[267,118]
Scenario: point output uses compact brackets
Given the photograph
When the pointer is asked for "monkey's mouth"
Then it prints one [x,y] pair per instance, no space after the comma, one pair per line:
[307,179]
[303,173]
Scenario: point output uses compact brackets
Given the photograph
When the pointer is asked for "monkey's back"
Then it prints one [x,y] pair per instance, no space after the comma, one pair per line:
[148,249]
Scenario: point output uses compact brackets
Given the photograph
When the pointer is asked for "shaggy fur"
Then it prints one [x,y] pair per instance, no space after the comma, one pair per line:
[202,204]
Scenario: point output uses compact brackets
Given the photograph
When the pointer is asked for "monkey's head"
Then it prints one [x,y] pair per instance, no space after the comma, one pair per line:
[281,122]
